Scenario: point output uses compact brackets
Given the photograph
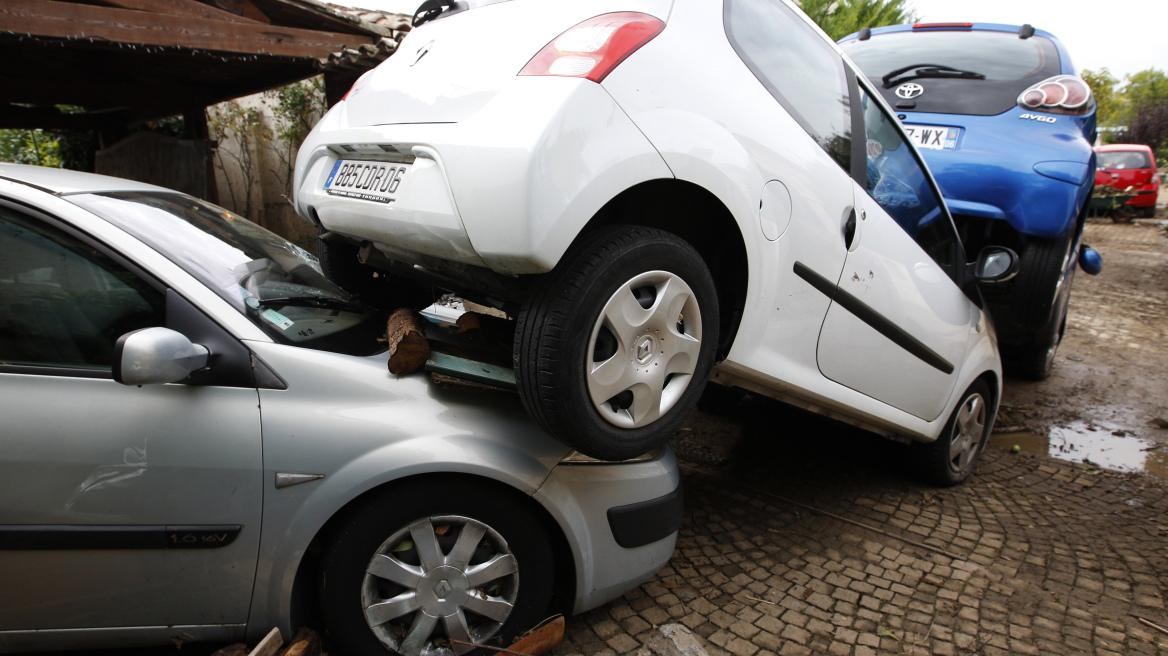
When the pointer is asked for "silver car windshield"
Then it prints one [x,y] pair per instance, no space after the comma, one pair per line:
[276,284]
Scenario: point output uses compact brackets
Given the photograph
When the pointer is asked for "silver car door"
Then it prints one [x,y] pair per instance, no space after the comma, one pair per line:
[120,506]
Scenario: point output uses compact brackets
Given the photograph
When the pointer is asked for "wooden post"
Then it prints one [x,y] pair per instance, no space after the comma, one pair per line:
[195,121]
[337,84]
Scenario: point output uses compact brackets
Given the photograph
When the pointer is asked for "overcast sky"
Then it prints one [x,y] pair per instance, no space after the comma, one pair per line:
[1125,35]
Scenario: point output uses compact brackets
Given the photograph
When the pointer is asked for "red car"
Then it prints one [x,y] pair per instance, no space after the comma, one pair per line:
[1133,166]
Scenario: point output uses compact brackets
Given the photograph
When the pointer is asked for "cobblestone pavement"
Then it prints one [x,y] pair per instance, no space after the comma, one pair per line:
[1045,557]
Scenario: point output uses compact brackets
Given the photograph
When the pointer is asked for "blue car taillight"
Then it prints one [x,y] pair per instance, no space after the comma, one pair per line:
[1061,94]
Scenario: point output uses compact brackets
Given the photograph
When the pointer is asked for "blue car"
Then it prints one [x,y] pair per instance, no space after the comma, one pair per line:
[1007,129]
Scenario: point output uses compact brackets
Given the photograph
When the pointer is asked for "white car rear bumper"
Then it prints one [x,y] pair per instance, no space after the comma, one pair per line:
[508,188]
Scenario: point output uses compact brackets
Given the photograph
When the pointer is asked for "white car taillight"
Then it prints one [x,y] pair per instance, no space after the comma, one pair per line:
[594,47]
[1060,94]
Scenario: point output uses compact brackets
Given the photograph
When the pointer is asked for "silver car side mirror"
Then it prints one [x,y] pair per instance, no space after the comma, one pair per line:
[155,356]
[995,264]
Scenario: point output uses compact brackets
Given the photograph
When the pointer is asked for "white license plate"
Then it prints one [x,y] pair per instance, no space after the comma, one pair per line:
[934,137]
[375,181]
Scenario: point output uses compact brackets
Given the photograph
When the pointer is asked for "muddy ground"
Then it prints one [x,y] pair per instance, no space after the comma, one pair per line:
[1110,379]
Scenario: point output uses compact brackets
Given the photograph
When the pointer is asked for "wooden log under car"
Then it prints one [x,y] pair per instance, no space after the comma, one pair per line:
[306,643]
[408,347]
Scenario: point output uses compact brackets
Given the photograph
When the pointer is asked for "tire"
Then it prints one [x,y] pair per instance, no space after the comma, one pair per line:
[616,292]
[950,459]
[1148,212]
[1039,306]
[366,613]
[338,261]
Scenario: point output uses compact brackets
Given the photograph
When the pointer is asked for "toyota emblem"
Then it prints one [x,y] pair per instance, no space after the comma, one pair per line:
[909,90]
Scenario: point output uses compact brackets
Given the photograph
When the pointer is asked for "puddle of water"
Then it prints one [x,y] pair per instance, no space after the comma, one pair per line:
[1092,443]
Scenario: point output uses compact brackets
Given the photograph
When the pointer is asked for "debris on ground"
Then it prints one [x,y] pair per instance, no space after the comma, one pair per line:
[306,642]
[542,639]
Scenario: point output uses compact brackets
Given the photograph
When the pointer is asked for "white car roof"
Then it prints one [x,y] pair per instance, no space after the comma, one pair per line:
[64,181]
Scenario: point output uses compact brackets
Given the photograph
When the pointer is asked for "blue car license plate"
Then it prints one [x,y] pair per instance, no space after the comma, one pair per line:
[934,137]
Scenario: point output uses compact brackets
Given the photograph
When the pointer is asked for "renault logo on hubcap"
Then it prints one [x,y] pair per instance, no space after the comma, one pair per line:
[909,90]
[442,589]
[644,350]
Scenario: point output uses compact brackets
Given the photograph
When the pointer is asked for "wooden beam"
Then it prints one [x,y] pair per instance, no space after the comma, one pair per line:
[97,93]
[74,21]
[30,118]
[189,8]
[317,15]
[243,8]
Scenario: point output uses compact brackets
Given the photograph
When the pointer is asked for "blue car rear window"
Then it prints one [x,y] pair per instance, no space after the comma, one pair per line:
[1009,65]
[996,55]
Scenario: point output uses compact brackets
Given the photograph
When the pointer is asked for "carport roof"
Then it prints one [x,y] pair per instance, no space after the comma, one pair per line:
[129,60]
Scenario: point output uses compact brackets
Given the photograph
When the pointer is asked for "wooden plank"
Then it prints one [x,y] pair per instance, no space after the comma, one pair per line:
[244,8]
[480,372]
[73,21]
[317,15]
[94,93]
[269,644]
[190,8]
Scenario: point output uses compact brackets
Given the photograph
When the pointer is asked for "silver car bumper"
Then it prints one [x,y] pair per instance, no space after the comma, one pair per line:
[620,519]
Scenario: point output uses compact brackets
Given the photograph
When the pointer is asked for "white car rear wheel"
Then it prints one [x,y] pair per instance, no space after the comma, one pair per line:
[950,459]
[615,346]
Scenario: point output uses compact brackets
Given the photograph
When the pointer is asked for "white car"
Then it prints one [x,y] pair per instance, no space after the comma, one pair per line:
[201,441]
[661,192]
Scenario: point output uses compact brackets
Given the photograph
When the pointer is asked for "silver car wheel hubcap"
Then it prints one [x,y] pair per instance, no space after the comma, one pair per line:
[643,349]
[439,582]
[967,433]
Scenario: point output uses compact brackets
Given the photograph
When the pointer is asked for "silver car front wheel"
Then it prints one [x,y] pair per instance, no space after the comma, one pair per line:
[412,585]
[432,567]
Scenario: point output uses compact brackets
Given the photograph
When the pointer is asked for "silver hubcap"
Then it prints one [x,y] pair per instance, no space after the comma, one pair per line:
[439,582]
[644,349]
[967,433]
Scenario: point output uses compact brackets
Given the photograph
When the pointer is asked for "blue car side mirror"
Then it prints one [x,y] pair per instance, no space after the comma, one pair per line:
[1090,261]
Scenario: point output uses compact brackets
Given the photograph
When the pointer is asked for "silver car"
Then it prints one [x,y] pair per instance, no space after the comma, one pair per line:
[200,440]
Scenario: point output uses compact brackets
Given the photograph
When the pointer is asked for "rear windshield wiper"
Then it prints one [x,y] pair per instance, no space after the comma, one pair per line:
[927,70]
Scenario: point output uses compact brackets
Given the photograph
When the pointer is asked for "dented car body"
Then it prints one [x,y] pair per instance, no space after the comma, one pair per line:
[806,251]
